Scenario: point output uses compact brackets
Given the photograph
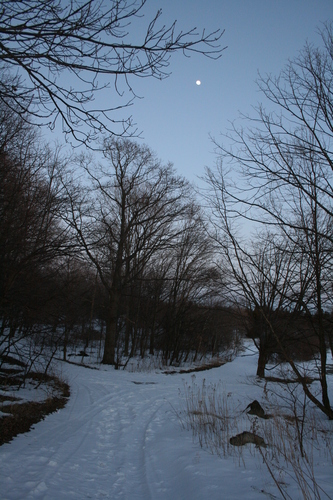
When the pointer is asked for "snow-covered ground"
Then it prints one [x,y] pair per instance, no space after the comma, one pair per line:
[120,437]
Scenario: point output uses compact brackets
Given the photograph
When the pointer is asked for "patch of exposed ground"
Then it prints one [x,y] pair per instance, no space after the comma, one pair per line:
[17,418]
[201,368]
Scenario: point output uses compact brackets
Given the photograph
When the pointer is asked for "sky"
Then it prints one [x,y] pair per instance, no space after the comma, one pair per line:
[176,116]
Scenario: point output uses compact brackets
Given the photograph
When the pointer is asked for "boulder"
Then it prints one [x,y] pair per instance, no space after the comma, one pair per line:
[247,437]
[256,409]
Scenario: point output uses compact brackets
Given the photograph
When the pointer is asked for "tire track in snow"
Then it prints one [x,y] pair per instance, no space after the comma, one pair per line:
[113,419]
[134,420]
[100,438]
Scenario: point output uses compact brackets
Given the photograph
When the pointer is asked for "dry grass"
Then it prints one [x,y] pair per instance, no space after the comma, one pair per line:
[291,460]
[293,440]
[209,412]
[22,416]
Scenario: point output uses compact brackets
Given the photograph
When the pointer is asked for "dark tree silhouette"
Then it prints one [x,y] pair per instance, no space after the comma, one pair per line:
[132,210]
[285,183]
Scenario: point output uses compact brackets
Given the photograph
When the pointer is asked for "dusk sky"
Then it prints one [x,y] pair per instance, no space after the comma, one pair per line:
[177,116]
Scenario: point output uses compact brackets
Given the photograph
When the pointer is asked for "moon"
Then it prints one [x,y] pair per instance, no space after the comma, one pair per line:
[198,82]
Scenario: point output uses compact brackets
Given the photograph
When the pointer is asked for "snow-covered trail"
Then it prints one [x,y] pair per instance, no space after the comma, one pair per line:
[96,446]
[119,437]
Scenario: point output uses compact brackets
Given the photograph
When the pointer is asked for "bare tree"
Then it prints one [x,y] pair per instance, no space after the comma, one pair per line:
[134,213]
[188,283]
[255,271]
[284,167]
[65,53]
[275,155]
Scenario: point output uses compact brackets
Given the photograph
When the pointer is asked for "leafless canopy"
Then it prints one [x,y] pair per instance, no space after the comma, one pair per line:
[278,174]
[66,51]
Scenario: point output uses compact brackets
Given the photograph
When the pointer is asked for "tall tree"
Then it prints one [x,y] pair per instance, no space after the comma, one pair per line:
[134,212]
[285,167]
[188,283]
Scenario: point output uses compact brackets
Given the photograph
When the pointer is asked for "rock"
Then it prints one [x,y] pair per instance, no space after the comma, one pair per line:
[247,437]
[256,409]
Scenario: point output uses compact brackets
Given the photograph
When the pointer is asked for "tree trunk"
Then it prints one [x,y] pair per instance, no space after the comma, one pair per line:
[330,341]
[128,329]
[110,344]
[152,340]
[109,357]
[261,362]
[323,362]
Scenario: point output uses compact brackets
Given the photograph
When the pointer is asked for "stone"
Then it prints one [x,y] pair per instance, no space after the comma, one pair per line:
[247,437]
[256,409]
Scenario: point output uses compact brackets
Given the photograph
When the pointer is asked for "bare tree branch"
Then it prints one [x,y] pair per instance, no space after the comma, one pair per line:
[66,53]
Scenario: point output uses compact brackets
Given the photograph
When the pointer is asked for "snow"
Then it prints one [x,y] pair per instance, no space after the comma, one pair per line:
[120,437]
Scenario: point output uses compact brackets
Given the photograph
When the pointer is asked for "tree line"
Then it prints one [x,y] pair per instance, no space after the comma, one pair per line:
[123,245]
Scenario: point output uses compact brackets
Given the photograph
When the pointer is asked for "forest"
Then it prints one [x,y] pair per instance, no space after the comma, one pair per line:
[118,249]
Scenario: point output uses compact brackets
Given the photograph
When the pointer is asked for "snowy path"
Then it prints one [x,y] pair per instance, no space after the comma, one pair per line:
[119,438]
